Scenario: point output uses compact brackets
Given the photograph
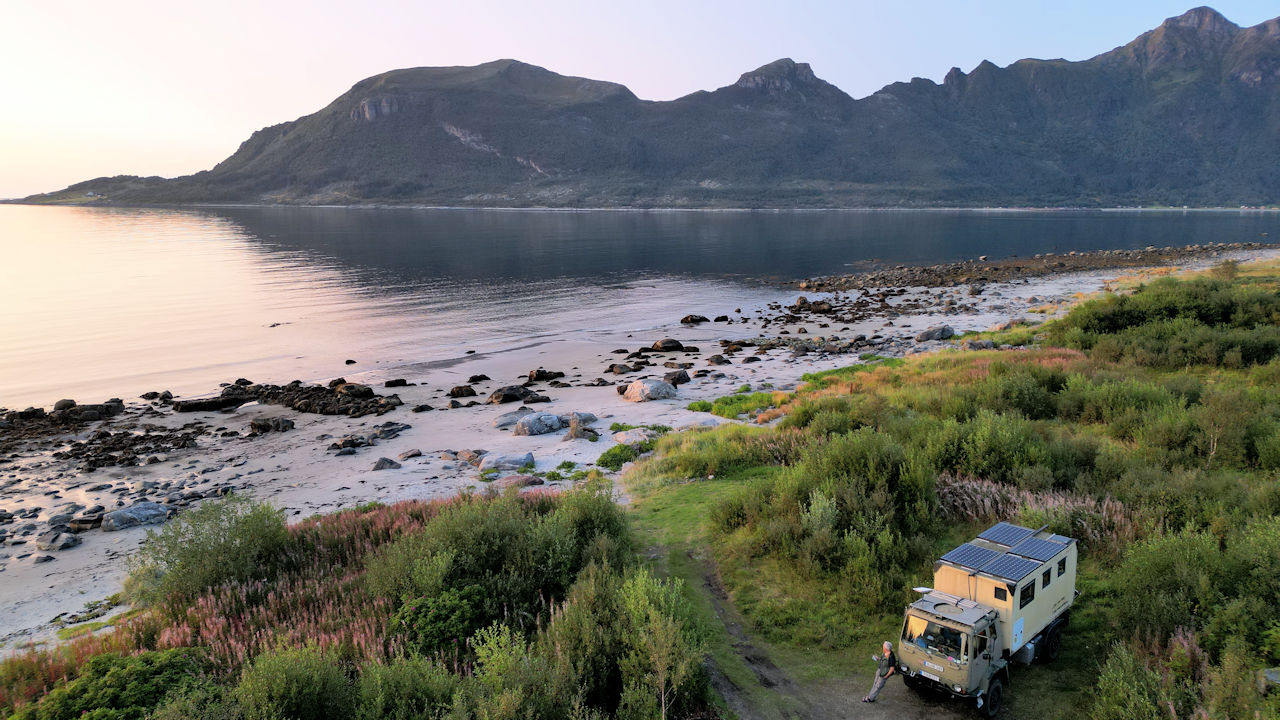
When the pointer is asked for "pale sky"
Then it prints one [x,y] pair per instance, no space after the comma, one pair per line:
[107,87]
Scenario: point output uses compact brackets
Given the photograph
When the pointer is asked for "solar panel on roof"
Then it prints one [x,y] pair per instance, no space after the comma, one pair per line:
[1010,567]
[1037,549]
[1062,539]
[970,556]
[1006,534]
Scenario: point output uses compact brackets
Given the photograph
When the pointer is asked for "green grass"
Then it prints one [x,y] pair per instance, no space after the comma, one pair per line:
[74,631]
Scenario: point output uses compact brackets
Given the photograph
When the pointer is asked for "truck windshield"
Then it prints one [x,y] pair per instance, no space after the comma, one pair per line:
[934,638]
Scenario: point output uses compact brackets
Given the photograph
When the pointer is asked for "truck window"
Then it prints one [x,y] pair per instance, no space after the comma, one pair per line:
[1027,594]
[934,638]
[1062,566]
[1044,578]
[1001,594]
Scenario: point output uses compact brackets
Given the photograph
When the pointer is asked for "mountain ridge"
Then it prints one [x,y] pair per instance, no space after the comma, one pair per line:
[1187,113]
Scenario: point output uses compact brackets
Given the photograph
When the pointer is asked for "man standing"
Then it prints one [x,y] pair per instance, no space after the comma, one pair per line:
[886,665]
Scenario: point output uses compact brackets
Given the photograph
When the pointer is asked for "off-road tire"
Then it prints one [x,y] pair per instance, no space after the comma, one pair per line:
[1052,645]
[994,698]
[915,685]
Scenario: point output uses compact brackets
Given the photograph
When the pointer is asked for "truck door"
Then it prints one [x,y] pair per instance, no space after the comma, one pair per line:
[983,650]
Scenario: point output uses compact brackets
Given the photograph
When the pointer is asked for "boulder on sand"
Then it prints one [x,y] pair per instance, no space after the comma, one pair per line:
[509,394]
[462,391]
[509,419]
[513,461]
[516,481]
[938,332]
[693,319]
[668,345]
[677,377]
[643,390]
[634,436]
[141,513]
[386,464]
[539,424]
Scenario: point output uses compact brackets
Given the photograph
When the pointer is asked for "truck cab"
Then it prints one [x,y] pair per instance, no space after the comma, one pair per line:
[1003,597]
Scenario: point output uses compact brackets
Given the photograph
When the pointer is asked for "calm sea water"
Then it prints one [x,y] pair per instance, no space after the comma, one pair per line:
[113,302]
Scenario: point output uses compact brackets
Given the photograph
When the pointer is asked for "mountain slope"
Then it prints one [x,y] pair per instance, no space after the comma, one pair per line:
[1188,113]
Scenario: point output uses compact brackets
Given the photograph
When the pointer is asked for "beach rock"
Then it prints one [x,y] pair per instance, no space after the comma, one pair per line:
[719,360]
[620,369]
[536,398]
[57,540]
[538,424]
[355,390]
[386,464]
[634,436]
[63,405]
[462,391]
[721,318]
[478,378]
[509,419]
[938,332]
[142,513]
[410,454]
[509,394]
[679,377]
[398,382]
[516,481]
[272,424]
[471,457]
[541,375]
[693,319]
[979,345]
[578,429]
[668,345]
[422,408]
[512,461]
[585,418]
[644,390]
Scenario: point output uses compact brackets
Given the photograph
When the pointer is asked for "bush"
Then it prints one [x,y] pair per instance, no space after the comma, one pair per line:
[519,553]
[430,622]
[618,455]
[217,542]
[116,687]
[304,683]
[406,688]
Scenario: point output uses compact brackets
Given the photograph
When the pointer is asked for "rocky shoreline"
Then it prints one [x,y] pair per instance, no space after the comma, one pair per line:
[981,270]
[80,483]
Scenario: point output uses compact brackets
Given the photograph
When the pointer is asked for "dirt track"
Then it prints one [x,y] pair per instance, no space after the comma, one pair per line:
[830,700]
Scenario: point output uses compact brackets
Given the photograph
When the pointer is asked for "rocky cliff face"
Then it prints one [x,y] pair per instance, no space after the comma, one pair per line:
[1188,113]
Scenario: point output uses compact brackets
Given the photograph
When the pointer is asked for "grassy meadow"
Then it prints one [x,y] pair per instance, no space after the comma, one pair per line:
[1145,423]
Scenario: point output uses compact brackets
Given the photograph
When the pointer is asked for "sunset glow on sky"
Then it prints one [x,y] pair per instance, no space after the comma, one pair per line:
[162,88]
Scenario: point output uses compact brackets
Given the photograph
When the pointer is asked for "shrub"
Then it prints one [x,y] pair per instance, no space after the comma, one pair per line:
[433,621]
[217,542]
[303,683]
[404,688]
[116,687]
[618,455]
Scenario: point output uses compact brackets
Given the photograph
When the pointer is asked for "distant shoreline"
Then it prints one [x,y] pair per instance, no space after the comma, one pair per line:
[666,208]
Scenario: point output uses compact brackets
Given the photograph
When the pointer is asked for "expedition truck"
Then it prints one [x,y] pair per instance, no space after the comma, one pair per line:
[1002,597]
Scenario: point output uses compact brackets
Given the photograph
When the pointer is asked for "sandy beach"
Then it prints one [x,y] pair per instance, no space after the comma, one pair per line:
[42,477]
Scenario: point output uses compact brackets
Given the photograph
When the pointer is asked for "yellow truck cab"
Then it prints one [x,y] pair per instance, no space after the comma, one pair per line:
[1003,597]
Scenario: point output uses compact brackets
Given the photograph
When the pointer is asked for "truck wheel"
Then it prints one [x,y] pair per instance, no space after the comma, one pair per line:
[1053,644]
[995,696]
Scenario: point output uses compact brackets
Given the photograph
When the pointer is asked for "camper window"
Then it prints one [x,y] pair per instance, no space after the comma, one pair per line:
[1027,594]
[1062,566]
[1044,578]
[1001,594]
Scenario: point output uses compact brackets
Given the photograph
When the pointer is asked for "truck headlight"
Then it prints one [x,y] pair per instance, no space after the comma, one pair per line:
[957,688]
